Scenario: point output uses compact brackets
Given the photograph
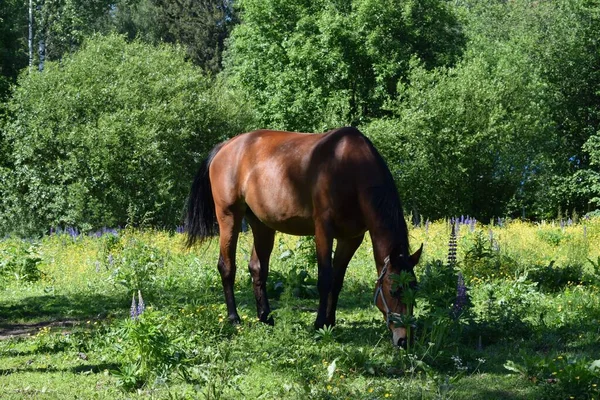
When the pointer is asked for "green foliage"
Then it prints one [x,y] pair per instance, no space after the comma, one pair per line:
[553,278]
[562,377]
[452,140]
[63,25]
[111,135]
[19,261]
[151,350]
[500,308]
[13,56]
[201,26]
[438,324]
[321,64]
[299,263]
[134,264]
[82,342]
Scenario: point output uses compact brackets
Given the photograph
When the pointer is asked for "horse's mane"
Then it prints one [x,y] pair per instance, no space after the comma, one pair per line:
[386,202]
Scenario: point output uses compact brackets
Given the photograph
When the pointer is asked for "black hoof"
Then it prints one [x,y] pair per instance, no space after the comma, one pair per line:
[268,321]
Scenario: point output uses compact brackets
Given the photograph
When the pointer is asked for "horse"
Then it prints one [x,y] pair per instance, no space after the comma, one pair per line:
[333,185]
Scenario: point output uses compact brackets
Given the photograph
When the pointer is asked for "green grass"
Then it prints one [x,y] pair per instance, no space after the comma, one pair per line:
[73,337]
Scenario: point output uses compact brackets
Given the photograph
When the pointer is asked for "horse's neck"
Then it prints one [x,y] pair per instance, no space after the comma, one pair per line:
[383,245]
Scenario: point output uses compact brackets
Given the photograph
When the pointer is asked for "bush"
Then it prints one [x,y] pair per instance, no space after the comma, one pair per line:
[20,261]
[109,135]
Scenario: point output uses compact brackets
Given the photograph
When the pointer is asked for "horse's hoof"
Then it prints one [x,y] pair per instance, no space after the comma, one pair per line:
[234,320]
[268,321]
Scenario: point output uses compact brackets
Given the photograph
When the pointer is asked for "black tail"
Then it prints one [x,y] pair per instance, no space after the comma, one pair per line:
[201,219]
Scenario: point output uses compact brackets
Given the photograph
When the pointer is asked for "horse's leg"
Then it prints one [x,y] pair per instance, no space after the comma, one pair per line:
[344,250]
[264,237]
[324,243]
[230,222]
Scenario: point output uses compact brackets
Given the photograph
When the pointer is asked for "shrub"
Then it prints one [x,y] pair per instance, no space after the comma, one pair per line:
[110,135]
[19,260]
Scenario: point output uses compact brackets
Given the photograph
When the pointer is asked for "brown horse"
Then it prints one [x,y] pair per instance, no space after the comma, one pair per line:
[333,185]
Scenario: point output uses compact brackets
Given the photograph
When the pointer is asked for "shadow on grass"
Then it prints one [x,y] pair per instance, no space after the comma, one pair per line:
[94,368]
[16,370]
[19,318]
[80,369]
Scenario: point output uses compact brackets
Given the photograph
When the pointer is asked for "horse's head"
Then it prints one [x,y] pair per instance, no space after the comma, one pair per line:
[394,294]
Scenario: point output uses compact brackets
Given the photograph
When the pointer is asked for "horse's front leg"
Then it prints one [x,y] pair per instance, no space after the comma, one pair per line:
[344,250]
[324,243]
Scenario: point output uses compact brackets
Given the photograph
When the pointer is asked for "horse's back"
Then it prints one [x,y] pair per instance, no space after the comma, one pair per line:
[283,176]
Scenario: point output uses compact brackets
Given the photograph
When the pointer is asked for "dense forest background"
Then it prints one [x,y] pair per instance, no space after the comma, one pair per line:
[489,108]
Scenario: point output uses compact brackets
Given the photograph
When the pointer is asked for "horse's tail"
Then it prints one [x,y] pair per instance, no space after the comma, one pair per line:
[201,219]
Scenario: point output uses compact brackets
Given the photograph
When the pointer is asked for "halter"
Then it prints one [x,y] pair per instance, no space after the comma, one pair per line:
[379,290]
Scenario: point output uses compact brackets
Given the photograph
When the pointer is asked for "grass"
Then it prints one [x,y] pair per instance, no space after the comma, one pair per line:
[532,330]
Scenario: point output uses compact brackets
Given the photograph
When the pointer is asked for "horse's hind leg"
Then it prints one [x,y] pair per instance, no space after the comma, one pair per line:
[264,238]
[230,221]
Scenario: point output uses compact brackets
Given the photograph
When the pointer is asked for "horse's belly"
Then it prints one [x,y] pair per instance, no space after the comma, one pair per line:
[293,226]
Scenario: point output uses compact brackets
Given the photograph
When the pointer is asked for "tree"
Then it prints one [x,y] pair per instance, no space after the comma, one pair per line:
[13,44]
[561,40]
[464,140]
[60,26]
[201,26]
[111,134]
[316,64]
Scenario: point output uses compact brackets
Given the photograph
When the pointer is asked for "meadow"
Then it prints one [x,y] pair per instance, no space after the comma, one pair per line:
[132,314]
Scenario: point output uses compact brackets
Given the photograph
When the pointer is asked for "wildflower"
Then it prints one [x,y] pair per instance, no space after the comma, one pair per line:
[462,297]
[133,310]
[141,306]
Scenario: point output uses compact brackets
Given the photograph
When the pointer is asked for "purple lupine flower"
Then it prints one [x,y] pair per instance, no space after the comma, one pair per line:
[457,229]
[472,224]
[133,311]
[97,266]
[462,297]
[71,231]
[141,306]
[111,260]
[569,222]
[584,231]
[427,226]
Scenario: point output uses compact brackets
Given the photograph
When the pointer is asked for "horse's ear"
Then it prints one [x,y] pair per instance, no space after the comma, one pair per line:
[417,255]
